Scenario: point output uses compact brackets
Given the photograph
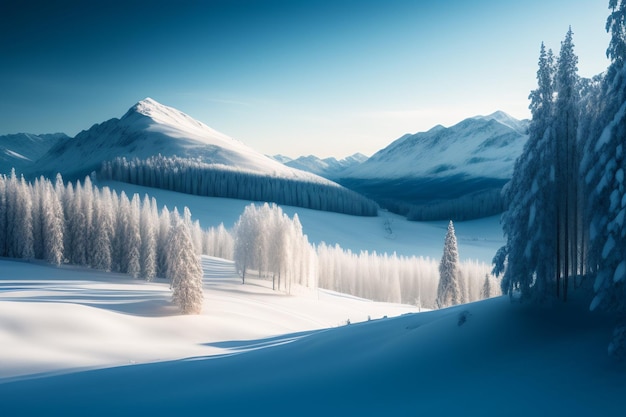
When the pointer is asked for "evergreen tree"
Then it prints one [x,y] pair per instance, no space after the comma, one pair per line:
[102,253]
[529,193]
[606,173]
[448,291]
[542,219]
[567,165]
[184,269]
[52,224]
[23,236]
[133,238]
[3,216]
[164,232]
[148,232]
[486,290]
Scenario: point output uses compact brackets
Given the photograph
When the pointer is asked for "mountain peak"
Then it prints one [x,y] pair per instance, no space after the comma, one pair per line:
[505,119]
[162,114]
[147,106]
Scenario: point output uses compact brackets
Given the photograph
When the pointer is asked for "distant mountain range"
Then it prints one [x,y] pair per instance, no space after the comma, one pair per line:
[23,149]
[328,167]
[455,172]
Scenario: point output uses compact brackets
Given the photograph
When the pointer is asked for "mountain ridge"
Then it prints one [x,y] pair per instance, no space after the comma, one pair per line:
[19,150]
[484,146]
[327,167]
[150,128]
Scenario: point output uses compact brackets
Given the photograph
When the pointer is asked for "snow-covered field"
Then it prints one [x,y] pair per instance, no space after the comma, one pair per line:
[81,342]
[59,319]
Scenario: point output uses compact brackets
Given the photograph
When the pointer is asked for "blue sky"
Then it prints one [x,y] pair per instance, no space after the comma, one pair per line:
[294,77]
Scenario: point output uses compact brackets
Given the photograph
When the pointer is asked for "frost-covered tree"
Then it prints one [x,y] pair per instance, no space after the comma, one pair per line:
[218,242]
[162,238]
[21,244]
[3,216]
[567,165]
[542,222]
[605,161]
[78,226]
[485,292]
[448,290]
[149,222]
[246,236]
[184,269]
[103,234]
[52,224]
[529,220]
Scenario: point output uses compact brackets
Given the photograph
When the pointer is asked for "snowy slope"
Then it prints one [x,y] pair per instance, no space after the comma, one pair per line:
[328,167]
[254,352]
[388,233]
[481,146]
[150,128]
[59,319]
[23,149]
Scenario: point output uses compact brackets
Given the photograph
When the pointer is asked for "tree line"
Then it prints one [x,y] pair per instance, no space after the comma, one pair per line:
[79,223]
[567,198]
[83,225]
[272,245]
[195,177]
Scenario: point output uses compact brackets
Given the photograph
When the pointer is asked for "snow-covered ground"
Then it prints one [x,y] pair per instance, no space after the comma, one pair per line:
[256,352]
[80,342]
[57,319]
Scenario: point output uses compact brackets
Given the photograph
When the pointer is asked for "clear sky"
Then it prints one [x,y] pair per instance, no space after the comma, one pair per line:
[326,77]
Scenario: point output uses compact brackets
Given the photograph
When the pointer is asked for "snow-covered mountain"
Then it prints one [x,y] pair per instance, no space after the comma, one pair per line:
[23,149]
[444,173]
[481,146]
[327,167]
[150,128]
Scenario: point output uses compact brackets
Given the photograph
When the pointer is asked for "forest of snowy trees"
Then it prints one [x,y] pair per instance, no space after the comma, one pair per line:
[79,223]
[271,244]
[567,199]
[84,225]
[212,180]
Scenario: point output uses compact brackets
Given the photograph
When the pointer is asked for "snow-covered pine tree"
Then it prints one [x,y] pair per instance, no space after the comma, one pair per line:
[3,215]
[566,117]
[23,237]
[163,235]
[184,268]
[448,291]
[149,222]
[101,257]
[606,164]
[527,261]
[78,227]
[485,292]
[37,197]
[53,224]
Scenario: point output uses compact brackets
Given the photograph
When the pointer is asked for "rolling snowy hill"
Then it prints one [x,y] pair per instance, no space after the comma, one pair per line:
[80,342]
[148,129]
[21,150]
[470,160]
